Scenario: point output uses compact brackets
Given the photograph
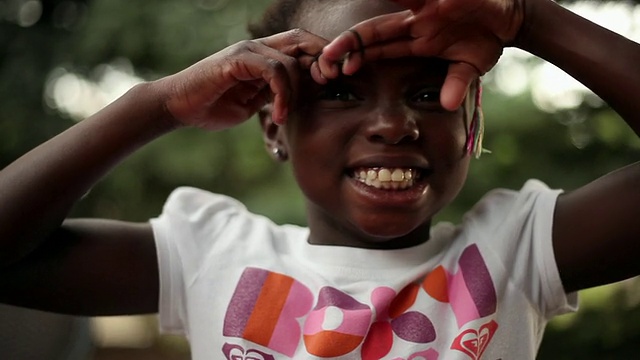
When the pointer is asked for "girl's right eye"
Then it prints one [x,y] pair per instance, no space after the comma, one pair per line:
[337,92]
[426,95]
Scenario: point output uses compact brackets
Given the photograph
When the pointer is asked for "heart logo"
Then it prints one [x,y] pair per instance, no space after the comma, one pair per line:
[474,342]
[237,352]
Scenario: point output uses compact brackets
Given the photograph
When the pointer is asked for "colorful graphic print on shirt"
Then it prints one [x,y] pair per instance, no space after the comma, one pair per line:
[267,309]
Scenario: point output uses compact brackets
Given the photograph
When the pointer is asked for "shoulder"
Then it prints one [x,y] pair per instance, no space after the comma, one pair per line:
[192,215]
[194,202]
[501,206]
[512,233]
[198,228]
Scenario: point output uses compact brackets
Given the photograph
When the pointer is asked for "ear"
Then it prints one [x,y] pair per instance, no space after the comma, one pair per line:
[272,135]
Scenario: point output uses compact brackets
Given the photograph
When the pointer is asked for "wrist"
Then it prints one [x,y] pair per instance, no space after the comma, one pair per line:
[153,94]
[530,11]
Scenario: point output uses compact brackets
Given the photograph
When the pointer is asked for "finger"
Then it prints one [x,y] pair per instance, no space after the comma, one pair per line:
[456,85]
[376,30]
[246,92]
[480,51]
[395,49]
[316,74]
[301,44]
[259,101]
[329,69]
[276,69]
[296,42]
[306,61]
[399,48]
[355,58]
[284,64]
[379,29]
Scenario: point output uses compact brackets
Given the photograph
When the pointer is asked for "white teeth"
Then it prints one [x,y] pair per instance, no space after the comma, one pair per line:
[398,175]
[408,175]
[387,178]
[384,175]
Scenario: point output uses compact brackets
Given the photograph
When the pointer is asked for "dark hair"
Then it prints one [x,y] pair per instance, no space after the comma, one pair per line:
[277,18]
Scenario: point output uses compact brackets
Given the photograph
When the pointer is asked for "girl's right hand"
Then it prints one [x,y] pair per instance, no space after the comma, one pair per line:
[231,85]
[469,33]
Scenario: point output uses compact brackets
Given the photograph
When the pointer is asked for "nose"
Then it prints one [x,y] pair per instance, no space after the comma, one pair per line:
[392,126]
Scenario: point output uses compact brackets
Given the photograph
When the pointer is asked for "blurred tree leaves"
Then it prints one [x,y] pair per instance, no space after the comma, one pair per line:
[565,149]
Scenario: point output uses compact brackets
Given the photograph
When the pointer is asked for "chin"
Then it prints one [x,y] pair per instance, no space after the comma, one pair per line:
[395,234]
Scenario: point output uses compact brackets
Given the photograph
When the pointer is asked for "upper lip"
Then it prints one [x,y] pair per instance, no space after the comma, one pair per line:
[390,161]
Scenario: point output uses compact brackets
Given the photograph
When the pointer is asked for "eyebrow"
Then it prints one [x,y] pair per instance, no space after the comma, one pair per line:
[432,69]
[424,75]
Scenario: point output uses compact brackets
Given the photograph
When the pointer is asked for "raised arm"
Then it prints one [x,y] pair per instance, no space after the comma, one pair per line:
[94,267]
[605,62]
[596,234]
[68,268]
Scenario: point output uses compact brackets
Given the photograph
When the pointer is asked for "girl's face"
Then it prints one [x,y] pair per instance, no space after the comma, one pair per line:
[383,123]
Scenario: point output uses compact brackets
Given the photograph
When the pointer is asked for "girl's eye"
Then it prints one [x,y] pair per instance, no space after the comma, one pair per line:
[427,96]
[337,93]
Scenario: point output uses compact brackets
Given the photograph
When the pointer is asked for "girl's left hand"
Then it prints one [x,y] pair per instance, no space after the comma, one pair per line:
[469,33]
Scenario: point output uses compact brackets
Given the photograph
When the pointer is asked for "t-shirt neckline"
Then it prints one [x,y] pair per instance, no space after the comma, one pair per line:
[354,257]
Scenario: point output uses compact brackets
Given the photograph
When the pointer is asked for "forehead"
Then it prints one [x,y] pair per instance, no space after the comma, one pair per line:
[330,18]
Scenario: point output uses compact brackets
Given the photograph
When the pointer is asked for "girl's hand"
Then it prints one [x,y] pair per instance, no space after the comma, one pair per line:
[469,33]
[230,86]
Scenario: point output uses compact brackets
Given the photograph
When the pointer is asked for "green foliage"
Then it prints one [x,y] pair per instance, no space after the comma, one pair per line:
[606,327]
[165,36]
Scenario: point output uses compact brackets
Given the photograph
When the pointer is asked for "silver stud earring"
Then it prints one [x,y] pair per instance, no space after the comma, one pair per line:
[279,154]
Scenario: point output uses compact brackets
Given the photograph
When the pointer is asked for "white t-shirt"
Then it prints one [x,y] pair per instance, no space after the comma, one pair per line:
[241,287]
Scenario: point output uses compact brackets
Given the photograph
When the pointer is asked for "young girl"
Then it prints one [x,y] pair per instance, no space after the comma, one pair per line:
[379,120]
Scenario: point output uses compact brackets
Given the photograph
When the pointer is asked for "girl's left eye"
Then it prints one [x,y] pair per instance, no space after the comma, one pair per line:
[426,95]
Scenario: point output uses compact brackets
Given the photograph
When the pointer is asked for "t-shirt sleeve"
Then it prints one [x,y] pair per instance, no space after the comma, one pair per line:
[517,226]
[185,234]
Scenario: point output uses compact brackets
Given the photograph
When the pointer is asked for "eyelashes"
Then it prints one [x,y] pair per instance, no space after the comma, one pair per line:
[337,91]
[427,96]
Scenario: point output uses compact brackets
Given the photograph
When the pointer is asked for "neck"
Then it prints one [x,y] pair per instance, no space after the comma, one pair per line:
[325,230]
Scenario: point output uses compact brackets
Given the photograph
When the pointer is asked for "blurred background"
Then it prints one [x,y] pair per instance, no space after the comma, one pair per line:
[62,60]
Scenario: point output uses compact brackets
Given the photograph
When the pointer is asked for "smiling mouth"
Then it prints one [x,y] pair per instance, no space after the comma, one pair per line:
[389,178]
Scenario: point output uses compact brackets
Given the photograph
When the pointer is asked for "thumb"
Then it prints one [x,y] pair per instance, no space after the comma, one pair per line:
[455,87]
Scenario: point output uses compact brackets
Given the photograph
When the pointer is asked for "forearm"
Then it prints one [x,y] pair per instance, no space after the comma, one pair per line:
[38,190]
[607,63]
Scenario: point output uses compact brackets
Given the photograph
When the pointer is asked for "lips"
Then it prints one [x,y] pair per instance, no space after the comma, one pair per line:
[387,172]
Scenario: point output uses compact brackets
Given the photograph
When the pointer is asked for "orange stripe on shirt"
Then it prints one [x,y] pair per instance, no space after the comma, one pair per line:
[267,309]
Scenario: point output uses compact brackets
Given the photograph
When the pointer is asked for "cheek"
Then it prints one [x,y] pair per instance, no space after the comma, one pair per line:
[446,139]
[312,129]
[315,145]
[446,151]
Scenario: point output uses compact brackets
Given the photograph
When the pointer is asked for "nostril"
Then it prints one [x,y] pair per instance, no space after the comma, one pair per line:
[394,136]
[392,126]
[376,138]
[413,134]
